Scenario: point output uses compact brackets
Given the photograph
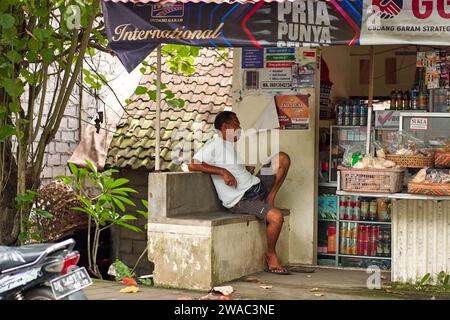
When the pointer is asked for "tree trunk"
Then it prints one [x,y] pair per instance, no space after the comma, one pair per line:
[9,215]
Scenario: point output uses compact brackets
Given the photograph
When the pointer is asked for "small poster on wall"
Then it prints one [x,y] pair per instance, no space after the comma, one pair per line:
[293,111]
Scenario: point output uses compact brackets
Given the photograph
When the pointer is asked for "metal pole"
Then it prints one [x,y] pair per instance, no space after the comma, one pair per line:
[158,110]
[370,102]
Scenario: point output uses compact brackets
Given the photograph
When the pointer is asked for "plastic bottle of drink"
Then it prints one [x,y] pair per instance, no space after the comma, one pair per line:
[393,100]
[399,98]
[406,100]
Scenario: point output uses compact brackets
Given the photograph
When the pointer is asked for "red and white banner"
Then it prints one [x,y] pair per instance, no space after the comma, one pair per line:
[424,22]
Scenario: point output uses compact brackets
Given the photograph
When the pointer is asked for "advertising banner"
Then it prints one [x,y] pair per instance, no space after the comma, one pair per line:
[425,22]
[293,111]
[134,30]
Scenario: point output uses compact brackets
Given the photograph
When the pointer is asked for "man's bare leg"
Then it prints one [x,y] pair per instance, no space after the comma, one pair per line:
[280,166]
[274,224]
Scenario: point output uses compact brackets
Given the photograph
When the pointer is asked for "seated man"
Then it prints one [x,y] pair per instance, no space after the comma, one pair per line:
[237,188]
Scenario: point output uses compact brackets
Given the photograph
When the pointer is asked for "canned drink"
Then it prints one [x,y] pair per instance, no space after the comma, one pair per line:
[366,240]
[349,209]
[355,116]
[356,209]
[360,240]
[387,249]
[365,210]
[372,239]
[340,119]
[373,210]
[342,245]
[348,245]
[347,120]
[342,209]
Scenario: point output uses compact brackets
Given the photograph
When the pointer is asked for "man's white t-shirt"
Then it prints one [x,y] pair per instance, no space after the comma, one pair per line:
[221,153]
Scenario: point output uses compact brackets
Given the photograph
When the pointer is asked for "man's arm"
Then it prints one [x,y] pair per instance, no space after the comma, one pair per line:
[228,178]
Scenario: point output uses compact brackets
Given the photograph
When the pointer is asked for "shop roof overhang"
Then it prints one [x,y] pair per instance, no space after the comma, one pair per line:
[135,27]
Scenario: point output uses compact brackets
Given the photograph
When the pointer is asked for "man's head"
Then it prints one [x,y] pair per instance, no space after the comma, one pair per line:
[228,124]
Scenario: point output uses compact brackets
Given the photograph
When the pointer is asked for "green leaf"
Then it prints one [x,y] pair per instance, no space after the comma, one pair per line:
[14,57]
[73,168]
[2,110]
[13,87]
[15,107]
[34,45]
[169,94]
[125,200]
[6,20]
[129,226]
[424,279]
[143,70]
[152,95]
[140,90]
[128,217]
[91,166]
[119,204]
[143,213]
[124,189]
[119,182]
[6,131]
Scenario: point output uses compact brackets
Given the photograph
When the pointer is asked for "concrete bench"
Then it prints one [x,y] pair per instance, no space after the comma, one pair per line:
[194,242]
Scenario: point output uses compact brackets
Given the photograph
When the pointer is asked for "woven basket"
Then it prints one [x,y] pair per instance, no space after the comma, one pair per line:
[58,199]
[442,159]
[429,189]
[372,180]
[411,161]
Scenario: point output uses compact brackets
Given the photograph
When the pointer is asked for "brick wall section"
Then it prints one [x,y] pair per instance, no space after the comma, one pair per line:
[129,245]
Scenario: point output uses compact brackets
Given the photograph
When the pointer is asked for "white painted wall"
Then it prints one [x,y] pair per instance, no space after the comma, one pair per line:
[299,192]
[343,62]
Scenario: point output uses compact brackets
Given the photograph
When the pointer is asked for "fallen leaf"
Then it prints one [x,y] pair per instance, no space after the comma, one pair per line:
[266,287]
[314,289]
[185,298]
[225,290]
[319,294]
[129,281]
[130,289]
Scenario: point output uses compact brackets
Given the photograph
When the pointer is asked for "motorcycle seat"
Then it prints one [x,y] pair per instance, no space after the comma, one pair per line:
[11,257]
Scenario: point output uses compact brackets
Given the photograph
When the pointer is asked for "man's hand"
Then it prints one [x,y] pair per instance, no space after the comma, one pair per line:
[250,169]
[229,179]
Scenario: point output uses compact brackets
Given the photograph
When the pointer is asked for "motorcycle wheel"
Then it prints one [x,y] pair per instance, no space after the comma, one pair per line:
[44,293]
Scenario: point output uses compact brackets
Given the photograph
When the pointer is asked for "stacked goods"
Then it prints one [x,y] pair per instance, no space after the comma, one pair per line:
[327,207]
[325,107]
[364,240]
[369,174]
[406,151]
[354,208]
[432,182]
[351,113]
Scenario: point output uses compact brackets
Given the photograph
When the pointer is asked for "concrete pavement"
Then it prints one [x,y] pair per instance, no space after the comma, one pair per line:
[323,284]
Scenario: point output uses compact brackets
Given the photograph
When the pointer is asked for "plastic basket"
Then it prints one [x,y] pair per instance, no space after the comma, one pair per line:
[442,159]
[411,161]
[372,180]
[430,189]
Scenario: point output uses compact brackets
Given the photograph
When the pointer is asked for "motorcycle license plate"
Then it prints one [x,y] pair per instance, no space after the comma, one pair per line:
[70,283]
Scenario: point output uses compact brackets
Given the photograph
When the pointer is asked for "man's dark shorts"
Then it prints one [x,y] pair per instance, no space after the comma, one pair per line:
[253,200]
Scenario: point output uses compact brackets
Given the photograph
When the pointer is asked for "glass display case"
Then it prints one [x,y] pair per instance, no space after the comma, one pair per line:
[342,138]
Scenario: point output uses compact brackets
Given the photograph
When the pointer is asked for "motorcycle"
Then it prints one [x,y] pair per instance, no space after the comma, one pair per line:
[42,272]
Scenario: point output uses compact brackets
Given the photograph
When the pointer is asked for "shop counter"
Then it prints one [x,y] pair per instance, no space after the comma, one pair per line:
[420,235]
